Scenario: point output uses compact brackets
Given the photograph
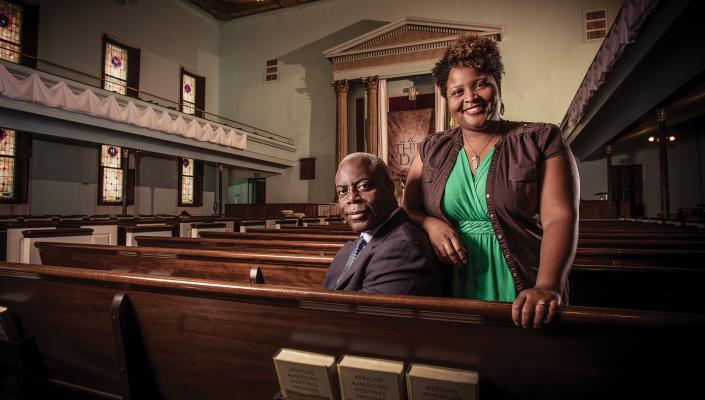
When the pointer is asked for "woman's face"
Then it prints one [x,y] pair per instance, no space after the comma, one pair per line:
[473,98]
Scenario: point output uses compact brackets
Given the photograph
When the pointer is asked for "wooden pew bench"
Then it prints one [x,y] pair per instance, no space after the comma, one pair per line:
[278,246]
[198,228]
[273,235]
[664,289]
[13,237]
[178,338]
[274,269]
[246,224]
[29,253]
[127,233]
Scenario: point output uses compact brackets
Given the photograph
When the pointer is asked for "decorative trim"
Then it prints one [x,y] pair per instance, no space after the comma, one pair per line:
[340,86]
[402,29]
[418,22]
[392,51]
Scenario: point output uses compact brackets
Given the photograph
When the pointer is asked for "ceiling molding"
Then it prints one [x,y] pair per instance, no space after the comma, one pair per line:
[227,10]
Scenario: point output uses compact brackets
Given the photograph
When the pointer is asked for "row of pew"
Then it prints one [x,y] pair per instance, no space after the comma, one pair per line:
[180,318]
[18,235]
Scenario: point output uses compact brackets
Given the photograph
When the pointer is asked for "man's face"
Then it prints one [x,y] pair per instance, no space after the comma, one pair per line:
[365,199]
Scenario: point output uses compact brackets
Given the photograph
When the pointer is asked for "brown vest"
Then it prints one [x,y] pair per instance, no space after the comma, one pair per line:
[512,191]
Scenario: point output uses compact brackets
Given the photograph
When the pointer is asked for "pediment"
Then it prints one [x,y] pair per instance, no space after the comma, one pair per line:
[407,35]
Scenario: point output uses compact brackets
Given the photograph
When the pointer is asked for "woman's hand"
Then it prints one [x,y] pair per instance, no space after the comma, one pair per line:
[535,306]
[445,242]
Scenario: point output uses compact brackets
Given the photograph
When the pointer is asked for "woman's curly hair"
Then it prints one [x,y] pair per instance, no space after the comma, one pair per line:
[470,50]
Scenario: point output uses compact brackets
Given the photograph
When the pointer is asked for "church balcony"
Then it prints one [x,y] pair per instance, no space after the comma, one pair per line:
[57,101]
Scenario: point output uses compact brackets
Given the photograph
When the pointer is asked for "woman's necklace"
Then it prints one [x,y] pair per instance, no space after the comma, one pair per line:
[475,160]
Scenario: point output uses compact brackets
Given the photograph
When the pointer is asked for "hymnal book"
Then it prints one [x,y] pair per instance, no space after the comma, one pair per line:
[363,378]
[426,382]
[303,375]
[8,329]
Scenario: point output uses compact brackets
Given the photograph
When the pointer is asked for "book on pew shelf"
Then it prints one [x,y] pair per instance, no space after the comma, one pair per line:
[363,378]
[303,375]
[427,382]
[8,329]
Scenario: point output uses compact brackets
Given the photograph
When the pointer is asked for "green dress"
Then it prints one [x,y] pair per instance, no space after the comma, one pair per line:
[486,275]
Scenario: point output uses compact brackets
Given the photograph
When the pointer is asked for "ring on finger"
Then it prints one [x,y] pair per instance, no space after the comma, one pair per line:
[542,302]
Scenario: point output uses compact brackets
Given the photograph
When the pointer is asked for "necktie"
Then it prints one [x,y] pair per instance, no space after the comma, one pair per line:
[359,245]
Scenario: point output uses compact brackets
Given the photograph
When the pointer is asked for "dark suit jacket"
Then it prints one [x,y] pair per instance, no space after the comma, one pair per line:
[398,260]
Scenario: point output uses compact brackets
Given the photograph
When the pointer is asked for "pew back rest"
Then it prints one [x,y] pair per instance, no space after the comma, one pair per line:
[29,254]
[284,270]
[213,340]
[14,238]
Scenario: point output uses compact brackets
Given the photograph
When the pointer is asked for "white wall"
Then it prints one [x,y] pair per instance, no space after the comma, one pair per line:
[63,178]
[544,54]
[593,178]
[170,34]
[685,184]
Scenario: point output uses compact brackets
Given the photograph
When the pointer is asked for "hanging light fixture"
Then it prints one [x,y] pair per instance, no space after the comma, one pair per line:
[670,138]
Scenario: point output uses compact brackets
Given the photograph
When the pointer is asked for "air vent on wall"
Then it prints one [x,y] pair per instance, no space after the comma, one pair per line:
[271,72]
[595,26]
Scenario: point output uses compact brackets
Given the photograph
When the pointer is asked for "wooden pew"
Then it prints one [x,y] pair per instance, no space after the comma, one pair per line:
[127,233]
[279,246]
[276,269]
[29,253]
[178,338]
[273,235]
[641,257]
[664,289]
[13,237]
[198,228]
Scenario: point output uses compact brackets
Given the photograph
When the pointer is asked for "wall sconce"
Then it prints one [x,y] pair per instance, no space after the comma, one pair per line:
[656,139]
[412,93]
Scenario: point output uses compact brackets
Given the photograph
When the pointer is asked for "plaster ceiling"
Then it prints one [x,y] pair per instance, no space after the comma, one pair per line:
[227,10]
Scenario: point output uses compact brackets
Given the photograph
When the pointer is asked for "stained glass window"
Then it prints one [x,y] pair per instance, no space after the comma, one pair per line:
[111,163]
[7,164]
[188,94]
[10,31]
[7,142]
[115,73]
[187,179]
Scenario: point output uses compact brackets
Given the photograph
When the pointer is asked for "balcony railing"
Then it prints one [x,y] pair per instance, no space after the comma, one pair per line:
[96,82]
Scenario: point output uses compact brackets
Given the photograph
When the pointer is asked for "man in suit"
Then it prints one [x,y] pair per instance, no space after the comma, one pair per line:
[392,255]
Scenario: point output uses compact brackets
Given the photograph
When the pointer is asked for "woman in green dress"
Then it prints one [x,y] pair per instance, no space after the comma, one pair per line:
[498,199]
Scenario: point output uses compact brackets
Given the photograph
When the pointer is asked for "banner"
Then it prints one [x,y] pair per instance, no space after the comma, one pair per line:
[405,130]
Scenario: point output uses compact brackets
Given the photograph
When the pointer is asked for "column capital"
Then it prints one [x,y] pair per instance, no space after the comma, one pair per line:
[341,87]
[371,82]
